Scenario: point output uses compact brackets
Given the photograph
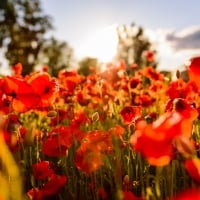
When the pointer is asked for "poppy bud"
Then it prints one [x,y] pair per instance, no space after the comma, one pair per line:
[95,117]
[52,113]
[178,74]
[126,179]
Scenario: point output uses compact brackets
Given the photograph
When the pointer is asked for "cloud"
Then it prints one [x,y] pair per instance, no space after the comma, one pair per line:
[174,49]
[187,39]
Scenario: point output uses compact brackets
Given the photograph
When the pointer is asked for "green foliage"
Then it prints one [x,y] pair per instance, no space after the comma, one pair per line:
[86,64]
[22,28]
[132,44]
[56,55]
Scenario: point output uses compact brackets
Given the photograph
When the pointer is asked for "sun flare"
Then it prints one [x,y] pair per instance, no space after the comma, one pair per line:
[102,44]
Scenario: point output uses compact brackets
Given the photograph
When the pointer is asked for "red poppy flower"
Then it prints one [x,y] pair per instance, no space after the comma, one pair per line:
[150,56]
[99,141]
[198,110]
[81,99]
[17,69]
[23,96]
[183,107]
[155,141]
[70,85]
[45,68]
[117,131]
[194,70]
[188,112]
[60,139]
[174,89]
[189,194]
[44,86]
[12,123]
[151,73]
[102,193]
[59,118]
[144,100]
[80,118]
[10,141]
[90,155]
[50,188]
[127,195]
[88,161]
[70,112]
[54,146]
[55,183]
[5,104]
[134,82]
[41,170]
[13,139]
[130,113]
[34,193]
[157,152]
[1,86]
[193,168]
[69,80]
[63,73]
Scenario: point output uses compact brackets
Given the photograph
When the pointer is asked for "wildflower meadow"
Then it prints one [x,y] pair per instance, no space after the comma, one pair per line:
[108,135]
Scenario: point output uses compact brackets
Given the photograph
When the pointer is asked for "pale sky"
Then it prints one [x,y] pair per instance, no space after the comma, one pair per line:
[87,25]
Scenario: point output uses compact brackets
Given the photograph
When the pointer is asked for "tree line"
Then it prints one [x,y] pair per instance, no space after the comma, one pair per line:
[23,30]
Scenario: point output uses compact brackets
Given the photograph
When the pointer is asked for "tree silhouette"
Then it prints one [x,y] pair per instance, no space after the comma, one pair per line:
[56,55]
[86,64]
[22,30]
[132,46]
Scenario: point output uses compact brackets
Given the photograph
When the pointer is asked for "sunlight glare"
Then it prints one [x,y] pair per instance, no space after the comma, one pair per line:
[102,44]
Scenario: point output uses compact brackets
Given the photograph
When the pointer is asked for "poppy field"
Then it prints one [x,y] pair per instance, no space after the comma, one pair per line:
[108,135]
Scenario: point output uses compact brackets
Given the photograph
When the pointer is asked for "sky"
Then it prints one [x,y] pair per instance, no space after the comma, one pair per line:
[89,26]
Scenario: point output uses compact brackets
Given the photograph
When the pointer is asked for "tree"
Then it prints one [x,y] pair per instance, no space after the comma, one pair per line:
[86,64]
[56,55]
[22,30]
[132,44]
